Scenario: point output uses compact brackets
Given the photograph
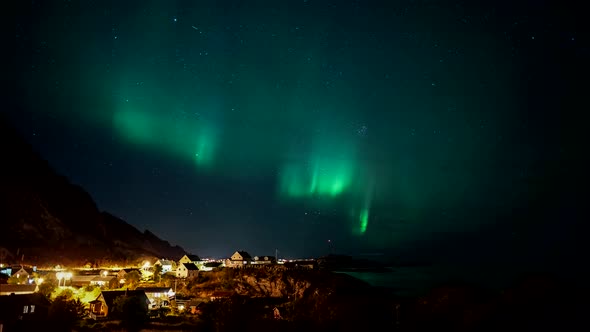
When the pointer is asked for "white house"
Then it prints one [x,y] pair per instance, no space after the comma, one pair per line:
[190,259]
[24,273]
[187,270]
[239,259]
[167,265]
[158,296]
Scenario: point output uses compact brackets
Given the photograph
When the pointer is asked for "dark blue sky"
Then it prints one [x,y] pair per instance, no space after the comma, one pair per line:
[398,127]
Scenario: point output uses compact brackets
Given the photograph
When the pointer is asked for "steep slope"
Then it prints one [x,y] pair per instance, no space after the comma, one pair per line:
[49,220]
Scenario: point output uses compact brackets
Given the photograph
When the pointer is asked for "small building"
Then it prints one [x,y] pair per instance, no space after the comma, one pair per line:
[301,264]
[194,306]
[187,270]
[239,259]
[6,270]
[10,289]
[105,282]
[209,266]
[158,296]
[167,265]
[82,280]
[103,306]
[23,273]
[190,259]
[264,260]
[24,312]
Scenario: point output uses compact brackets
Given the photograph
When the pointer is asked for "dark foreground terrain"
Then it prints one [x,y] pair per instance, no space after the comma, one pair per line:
[535,302]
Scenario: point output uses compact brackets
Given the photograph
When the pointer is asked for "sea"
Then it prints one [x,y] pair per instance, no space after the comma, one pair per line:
[411,281]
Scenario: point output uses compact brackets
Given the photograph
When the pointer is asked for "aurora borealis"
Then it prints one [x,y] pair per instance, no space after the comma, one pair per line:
[223,125]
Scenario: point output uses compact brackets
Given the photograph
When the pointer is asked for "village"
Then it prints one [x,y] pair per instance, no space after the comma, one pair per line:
[26,291]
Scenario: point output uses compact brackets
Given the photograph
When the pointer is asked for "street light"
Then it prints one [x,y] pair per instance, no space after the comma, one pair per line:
[63,275]
[59,276]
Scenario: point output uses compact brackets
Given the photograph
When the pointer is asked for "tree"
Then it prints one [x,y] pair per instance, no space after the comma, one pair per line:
[46,288]
[132,278]
[131,310]
[157,273]
[66,293]
[168,279]
[64,313]
[13,280]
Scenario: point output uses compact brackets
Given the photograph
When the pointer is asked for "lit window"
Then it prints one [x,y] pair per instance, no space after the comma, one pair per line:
[32,308]
[25,309]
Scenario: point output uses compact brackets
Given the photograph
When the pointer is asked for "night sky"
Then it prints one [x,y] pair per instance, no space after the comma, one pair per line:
[357,127]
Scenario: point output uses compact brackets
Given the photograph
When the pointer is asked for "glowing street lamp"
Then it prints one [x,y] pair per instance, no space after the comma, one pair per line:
[63,275]
[59,276]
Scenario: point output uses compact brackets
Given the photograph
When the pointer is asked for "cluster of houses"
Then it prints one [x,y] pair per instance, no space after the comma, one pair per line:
[189,265]
[21,301]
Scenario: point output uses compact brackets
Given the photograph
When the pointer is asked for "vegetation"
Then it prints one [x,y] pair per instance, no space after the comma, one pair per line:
[65,312]
[47,288]
[14,280]
[132,279]
[157,273]
[131,310]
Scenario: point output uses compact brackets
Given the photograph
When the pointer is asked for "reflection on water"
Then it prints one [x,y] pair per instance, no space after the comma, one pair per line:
[418,280]
[405,281]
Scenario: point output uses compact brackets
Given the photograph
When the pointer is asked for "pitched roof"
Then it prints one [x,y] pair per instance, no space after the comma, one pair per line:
[190,266]
[29,270]
[193,258]
[83,278]
[244,254]
[213,264]
[9,288]
[102,278]
[129,270]
[154,289]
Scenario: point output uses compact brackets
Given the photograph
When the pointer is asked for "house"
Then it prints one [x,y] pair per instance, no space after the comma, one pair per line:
[194,306]
[121,274]
[158,296]
[6,270]
[23,273]
[81,280]
[102,281]
[187,270]
[167,265]
[25,312]
[103,306]
[209,266]
[264,260]
[8,289]
[306,265]
[190,259]
[238,259]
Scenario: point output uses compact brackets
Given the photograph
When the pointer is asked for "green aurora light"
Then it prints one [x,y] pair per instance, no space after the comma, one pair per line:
[190,140]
